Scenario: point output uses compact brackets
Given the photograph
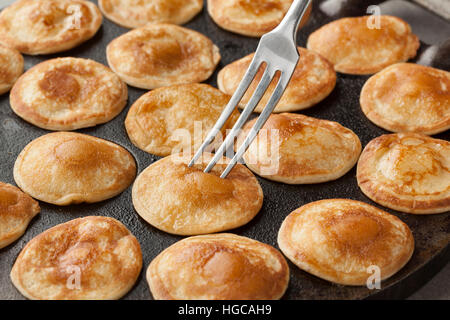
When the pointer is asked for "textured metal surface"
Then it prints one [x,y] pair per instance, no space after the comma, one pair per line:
[432,233]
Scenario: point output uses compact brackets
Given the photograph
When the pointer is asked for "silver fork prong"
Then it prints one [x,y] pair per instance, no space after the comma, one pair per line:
[254,100]
[273,101]
[231,106]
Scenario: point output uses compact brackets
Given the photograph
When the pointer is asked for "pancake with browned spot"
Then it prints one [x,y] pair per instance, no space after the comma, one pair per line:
[177,118]
[48,26]
[408,172]
[65,168]
[408,97]
[11,67]
[137,13]
[218,267]
[346,241]
[92,258]
[17,209]
[297,149]
[360,46]
[184,200]
[160,55]
[68,94]
[312,81]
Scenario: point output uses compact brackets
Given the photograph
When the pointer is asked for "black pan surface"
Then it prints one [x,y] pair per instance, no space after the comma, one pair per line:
[432,233]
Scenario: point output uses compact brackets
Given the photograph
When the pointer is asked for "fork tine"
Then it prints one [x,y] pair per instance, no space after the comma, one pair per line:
[254,100]
[231,106]
[273,101]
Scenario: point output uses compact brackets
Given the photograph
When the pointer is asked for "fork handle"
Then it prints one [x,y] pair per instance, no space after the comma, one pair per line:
[294,17]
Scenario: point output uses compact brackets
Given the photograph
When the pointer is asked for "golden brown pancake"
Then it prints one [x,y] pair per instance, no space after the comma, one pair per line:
[218,267]
[160,55]
[11,67]
[48,26]
[312,81]
[357,46]
[16,211]
[251,18]
[407,172]
[186,201]
[137,13]
[341,240]
[297,149]
[408,97]
[68,94]
[91,258]
[166,120]
[65,168]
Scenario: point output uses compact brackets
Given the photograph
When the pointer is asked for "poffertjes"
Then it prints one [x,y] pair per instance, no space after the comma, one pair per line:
[137,13]
[11,67]
[345,241]
[407,97]
[251,18]
[91,258]
[362,46]
[296,149]
[17,209]
[408,172]
[313,80]
[160,55]
[177,118]
[184,200]
[218,267]
[48,26]
[68,94]
[65,168]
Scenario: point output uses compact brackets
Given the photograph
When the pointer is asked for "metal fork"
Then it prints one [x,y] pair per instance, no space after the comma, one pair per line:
[278,50]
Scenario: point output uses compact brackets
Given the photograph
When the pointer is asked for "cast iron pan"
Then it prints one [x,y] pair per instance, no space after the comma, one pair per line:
[431,233]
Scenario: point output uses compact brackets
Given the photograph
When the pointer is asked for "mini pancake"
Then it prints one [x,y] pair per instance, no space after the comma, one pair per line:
[357,46]
[48,26]
[91,258]
[184,200]
[160,55]
[11,67]
[68,94]
[251,18]
[155,119]
[296,149]
[408,97]
[137,13]
[312,81]
[407,172]
[65,168]
[218,267]
[341,240]
[16,211]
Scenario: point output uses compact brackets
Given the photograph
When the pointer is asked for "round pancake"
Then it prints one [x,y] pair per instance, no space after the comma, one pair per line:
[68,94]
[48,26]
[312,81]
[160,55]
[65,168]
[157,118]
[186,201]
[354,46]
[137,13]
[408,97]
[91,258]
[407,172]
[218,267]
[339,240]
[251,18]
[11,67]
[308,150]
[16,211]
